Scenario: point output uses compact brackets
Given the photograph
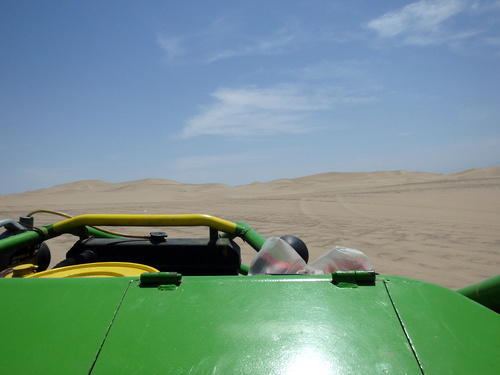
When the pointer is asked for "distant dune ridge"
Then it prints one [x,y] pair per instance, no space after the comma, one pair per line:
[437,228]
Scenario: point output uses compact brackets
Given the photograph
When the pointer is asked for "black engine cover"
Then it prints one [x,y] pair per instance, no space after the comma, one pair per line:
[204,256]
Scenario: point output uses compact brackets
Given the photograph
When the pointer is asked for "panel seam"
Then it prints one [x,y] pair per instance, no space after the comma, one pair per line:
[403,327]
[109,327]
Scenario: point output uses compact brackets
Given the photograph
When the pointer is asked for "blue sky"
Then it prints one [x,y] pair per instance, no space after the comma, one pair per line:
[242,91]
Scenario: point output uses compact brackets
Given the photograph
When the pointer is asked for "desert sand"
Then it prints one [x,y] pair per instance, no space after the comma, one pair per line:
[443,229]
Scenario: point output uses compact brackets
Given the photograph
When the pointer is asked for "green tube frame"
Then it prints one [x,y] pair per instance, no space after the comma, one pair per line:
[77,224]
[486,292]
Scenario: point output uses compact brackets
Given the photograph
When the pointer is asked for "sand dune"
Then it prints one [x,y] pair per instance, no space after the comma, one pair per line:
[437,228]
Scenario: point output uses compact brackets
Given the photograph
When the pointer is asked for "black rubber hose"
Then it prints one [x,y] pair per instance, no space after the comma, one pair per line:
[88,256]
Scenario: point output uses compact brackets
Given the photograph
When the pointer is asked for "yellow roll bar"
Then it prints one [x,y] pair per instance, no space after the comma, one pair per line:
[68,225]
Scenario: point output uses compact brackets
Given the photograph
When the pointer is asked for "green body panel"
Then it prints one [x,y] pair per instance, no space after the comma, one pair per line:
[256,325]
[441,324]
[243,325]
[55,326]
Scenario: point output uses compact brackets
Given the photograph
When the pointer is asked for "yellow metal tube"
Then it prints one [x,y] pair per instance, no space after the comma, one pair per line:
[68,225]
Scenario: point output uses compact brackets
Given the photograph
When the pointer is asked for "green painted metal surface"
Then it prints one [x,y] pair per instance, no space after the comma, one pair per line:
[243,325]
[55,326]
[486,292]
[449,333]
[256,325]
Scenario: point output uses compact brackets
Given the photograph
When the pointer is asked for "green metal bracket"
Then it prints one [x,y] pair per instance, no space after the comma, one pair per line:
[353,279]
[161,280]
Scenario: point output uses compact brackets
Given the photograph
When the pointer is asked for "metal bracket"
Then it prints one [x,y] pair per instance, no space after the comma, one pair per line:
[353,279]
[161,280]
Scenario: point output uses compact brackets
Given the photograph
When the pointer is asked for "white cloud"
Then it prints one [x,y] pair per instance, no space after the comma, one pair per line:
[492,41]
[276,43]
[171,46]
[224,39]
[421,23]
[266,111]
